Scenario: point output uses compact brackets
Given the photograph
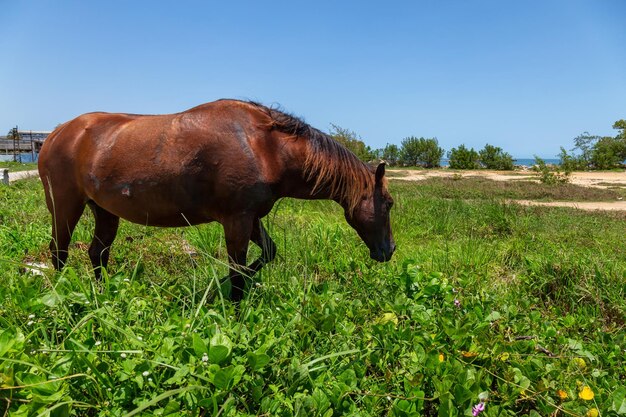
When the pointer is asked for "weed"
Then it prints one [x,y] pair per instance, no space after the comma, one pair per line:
[550,175]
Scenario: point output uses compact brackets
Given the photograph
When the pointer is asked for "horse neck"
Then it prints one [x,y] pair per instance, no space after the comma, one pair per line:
[339,177]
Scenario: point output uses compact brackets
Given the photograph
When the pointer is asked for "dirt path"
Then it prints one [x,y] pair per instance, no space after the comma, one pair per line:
[580,205]
[585,179]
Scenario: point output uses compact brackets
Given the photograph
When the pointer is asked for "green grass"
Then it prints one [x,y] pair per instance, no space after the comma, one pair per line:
[18,166]
[482,298]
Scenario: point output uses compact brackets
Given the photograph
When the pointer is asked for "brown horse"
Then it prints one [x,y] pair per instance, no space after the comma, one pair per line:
[226,161]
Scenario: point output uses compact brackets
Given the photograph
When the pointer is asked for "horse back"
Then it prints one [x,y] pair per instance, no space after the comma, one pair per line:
[203,163]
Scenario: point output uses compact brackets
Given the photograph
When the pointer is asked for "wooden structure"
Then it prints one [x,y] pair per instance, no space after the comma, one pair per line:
[26,141]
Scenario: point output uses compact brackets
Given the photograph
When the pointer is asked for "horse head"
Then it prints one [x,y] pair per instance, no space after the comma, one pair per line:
[370,219]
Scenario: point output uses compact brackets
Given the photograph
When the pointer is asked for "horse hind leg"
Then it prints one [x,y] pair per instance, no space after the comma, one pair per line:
[65,216]
[104,235]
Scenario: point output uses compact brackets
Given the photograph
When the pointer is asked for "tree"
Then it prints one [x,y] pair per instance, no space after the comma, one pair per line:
[585,143]
[493,157]
[620,125]
[608,153]
[14,135]
[421,152]
[352,141]
[391,154]
[463,158]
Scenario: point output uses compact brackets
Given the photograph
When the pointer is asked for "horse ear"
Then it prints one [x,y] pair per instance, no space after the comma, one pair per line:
[380,172]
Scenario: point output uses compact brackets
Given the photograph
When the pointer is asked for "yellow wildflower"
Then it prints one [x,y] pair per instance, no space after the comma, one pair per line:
[562,394]
[593,412]
[388,317]
[441,357]
[580,363]
[586,394]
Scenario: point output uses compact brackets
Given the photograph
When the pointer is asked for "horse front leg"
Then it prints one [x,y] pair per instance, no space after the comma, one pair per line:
[268,248]
[237,232]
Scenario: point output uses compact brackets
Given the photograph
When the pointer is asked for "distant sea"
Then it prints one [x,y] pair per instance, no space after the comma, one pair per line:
[527,162]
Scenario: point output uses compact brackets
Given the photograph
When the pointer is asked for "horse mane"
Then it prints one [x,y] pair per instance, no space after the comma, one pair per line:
[331,165]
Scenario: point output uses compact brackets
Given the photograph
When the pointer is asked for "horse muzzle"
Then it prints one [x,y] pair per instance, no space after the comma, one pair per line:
[383,254]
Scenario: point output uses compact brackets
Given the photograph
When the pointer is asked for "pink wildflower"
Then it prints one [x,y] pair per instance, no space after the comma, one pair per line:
[478,408]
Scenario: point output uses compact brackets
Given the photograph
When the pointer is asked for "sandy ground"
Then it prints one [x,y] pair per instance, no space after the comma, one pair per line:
[585,179]
[581,205]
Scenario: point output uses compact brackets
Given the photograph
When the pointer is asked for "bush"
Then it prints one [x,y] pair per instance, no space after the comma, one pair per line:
[572,162]
[421,152]
[463,158]
[548,175]
[608,153]
[493,157]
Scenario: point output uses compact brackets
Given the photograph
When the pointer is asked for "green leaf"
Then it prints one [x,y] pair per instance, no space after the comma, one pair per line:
[7,340]
[51,299]
[60,410]
[228,377]
[618,404]
[494,316]
[199,347]
[163,396]
[39,384]
[257,360]
[171,408]
[321,401]
[220,348]
[10,339]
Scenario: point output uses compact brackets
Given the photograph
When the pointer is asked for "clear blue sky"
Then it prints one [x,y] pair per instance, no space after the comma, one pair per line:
[528,76]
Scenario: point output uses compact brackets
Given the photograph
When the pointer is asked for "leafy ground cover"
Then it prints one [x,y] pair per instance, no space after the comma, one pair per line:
[517,310]
[468,187]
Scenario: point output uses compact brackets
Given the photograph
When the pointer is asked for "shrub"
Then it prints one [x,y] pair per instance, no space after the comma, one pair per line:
[493,157]
[549,175]
[608,153]
[463,158]
[571,162]
[421,152]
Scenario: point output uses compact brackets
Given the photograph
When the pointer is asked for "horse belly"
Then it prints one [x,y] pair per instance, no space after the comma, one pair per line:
[181,201]
[154,203]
